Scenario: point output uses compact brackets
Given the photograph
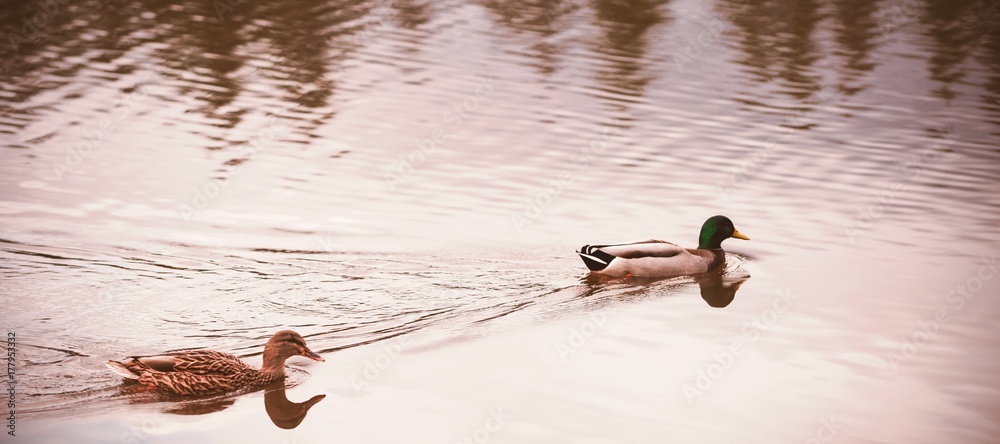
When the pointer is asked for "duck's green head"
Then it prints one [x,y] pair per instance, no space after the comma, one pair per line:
[715,230]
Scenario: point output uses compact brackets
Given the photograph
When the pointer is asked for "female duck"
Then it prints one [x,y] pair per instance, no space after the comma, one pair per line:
[204,372]
[656,258]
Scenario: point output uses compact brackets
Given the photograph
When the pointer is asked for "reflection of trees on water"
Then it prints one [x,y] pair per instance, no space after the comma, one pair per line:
[855,32]
[289,48]
[625,41]
[542,20]
[989,25]
[953,43]
[622,45]
[776,42]
[959,29]
[229,61]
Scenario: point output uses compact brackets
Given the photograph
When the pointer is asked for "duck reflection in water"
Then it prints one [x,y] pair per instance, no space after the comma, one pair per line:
[283,413]
[718,286]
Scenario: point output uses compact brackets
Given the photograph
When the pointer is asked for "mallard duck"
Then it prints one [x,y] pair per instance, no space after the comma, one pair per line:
[656,258]
[204,372]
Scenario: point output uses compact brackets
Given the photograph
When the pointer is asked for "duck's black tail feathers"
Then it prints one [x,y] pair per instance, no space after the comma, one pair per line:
[595,259]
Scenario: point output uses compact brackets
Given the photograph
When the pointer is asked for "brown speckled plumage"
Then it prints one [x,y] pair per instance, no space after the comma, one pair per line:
[204,372]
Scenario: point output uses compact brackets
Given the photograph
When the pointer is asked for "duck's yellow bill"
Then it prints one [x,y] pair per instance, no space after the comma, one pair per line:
[738,235]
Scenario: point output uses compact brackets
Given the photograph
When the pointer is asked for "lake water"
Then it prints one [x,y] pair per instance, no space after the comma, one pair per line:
[404,183]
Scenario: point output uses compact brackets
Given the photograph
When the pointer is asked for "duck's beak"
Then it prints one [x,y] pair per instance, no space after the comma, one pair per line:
[309,354]
[738,235]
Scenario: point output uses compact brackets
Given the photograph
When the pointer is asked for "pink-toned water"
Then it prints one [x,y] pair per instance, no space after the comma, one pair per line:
[404,184]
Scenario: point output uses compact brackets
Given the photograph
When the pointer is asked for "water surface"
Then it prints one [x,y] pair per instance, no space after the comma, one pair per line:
[404,183]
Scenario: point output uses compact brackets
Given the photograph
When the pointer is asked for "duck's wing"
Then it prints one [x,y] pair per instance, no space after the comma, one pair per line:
[597,257]
[631,250]
[198,362]
[207,362]
[161,363]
